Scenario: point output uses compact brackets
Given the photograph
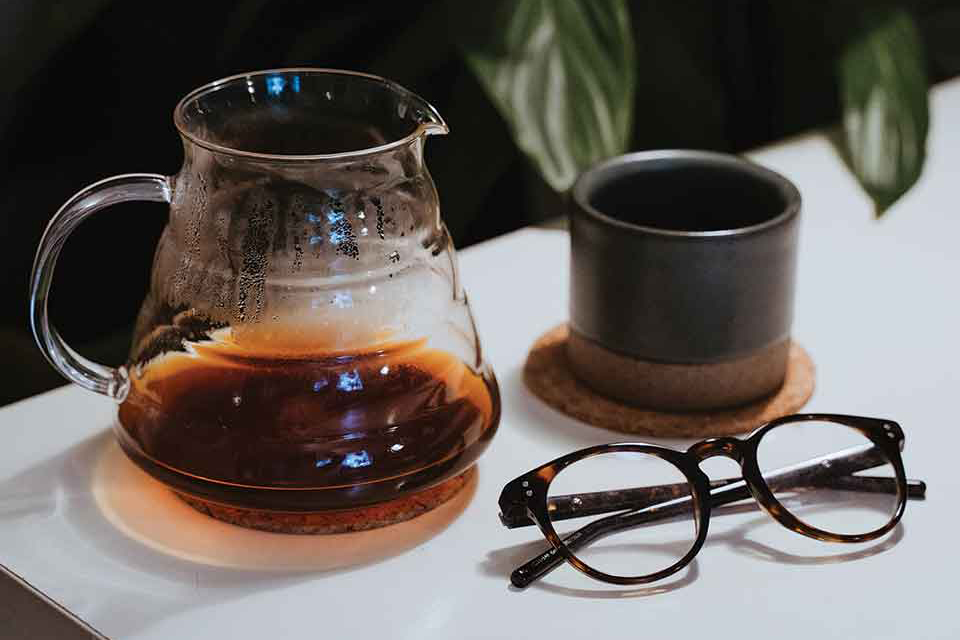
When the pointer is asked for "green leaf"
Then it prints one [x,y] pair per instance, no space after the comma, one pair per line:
[561,73]
[883,90]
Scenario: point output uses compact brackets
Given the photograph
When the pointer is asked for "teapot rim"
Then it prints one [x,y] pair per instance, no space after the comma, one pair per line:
[433,124]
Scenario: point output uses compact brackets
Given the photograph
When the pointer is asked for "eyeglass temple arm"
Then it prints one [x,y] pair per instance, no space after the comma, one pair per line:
[588,504]
[916,489]
[810,473]
[551,558]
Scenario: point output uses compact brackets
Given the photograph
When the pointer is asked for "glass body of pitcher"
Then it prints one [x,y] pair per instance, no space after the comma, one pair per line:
[306,343]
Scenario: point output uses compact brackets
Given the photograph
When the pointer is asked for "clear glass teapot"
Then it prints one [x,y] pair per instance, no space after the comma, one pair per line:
[306,343]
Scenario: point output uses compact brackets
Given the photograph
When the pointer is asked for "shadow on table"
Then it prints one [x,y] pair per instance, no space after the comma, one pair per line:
[158,557]
[502,562]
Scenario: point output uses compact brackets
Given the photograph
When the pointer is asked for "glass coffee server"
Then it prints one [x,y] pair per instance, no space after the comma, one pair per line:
[306,343]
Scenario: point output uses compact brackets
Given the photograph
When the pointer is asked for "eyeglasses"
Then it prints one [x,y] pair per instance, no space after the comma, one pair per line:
[642,511]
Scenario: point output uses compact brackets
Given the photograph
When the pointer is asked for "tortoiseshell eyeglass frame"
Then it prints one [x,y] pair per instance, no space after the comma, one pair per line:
[524,501]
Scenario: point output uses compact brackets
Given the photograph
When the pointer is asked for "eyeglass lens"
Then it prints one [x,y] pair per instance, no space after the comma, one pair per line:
[637,550]
[833,509]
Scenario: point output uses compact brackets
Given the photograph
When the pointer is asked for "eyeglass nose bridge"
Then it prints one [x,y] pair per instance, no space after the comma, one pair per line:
[712,447]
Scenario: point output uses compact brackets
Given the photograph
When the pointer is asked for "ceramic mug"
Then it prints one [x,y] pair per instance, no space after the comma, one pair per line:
[682,279]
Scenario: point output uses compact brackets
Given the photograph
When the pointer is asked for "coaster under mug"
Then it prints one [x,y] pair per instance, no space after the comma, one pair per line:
[547,374]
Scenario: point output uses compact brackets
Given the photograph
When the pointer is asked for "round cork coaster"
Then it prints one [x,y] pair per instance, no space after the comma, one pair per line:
[548,376]
[341,521]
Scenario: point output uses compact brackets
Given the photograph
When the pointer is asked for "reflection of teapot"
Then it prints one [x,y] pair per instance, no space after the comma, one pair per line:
[305,343]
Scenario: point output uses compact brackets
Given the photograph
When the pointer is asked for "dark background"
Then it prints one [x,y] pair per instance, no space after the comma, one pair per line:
[91,85]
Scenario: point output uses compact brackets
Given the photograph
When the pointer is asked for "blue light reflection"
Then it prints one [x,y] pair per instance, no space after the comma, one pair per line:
[342,300]
[350,381]
[275,84]
[357,459]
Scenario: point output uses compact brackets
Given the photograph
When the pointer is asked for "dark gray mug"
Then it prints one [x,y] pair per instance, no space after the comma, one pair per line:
[682,279]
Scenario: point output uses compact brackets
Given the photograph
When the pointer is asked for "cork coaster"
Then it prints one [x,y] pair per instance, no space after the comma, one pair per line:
[345,521]
[547,375]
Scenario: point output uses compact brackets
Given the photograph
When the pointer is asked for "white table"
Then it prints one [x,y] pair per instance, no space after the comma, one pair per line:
[877,308]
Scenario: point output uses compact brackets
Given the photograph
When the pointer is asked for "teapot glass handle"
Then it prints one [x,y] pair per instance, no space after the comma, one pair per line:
[112,382]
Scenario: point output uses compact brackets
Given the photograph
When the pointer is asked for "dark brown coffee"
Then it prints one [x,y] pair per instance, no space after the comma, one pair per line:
[307,433]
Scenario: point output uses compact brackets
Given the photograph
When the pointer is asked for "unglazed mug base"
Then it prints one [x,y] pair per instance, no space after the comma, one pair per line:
[668,386]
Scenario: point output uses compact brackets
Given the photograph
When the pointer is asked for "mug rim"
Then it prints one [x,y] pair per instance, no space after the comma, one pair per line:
[588,181]
[435,124]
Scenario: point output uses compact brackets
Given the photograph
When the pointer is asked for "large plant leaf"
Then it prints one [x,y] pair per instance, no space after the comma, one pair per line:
[561,73]
[883,90]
